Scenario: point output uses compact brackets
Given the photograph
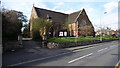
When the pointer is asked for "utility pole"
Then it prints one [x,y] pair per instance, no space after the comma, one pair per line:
[101,33]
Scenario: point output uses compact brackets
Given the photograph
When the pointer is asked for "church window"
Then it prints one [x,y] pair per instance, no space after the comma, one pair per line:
[83,23]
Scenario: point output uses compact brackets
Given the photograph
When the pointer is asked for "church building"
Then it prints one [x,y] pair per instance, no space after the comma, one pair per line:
[78,22]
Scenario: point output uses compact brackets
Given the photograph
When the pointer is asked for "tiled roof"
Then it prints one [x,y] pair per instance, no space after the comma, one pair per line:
[57,17]
[73,16]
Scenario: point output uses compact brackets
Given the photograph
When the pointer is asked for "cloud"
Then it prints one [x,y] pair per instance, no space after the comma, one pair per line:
[70,11]
[111,18]
[92,11]
[59,0]
[24,7]
[58,5]
[108,19]
[66,11]
[109,7]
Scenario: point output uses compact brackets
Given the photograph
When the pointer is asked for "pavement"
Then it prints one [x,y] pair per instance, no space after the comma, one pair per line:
[102,54]
[32,50]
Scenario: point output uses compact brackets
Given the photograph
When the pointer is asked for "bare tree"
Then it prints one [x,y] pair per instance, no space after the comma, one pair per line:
[104,30]
[86,30]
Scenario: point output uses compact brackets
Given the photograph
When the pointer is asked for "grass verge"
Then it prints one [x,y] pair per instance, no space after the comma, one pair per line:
[79,39]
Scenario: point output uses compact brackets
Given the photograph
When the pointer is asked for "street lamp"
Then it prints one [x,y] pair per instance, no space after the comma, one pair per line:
[101,33]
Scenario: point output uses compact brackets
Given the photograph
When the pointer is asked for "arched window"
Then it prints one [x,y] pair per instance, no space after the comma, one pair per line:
[83,23]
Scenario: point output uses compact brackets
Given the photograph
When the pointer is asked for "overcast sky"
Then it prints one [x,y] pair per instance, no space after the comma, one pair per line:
[95,9]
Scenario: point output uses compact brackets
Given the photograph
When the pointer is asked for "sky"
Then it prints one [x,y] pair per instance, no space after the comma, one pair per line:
[94,8]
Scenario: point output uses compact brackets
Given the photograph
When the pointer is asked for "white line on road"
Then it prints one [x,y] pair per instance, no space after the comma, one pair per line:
[112,45]
[80,58]
[106,48]
[102,49]
[82,49]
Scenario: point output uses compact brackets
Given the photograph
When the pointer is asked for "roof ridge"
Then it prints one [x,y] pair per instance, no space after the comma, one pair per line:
[75,12]
[51,10]
[78,15]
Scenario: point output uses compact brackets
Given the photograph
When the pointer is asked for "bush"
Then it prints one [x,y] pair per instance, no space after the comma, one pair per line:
[79,39]
[11,27]
[40,27]
[26,32]
[36,35]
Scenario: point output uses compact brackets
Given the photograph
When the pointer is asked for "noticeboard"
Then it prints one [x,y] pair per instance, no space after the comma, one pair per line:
[62,34]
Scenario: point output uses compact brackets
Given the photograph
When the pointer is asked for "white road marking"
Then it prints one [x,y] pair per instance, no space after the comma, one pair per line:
[82,49]
[102,49]
[112,45]
[106,48]
[80,58]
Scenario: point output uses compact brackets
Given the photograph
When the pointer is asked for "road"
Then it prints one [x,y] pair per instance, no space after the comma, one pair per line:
[104,54]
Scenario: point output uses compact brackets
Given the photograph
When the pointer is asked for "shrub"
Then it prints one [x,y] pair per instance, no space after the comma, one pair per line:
[36,35]
[40,27]
[79,39]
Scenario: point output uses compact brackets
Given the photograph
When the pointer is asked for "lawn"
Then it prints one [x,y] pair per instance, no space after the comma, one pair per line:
[75,39]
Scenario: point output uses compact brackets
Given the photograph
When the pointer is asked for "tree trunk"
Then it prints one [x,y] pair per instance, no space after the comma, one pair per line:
[44,41]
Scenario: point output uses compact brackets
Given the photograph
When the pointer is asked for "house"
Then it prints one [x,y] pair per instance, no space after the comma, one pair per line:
[117,32]
[75,21]
[107,32]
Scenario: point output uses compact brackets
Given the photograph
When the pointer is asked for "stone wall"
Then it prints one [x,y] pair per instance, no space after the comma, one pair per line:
[12,46]
[73,44]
